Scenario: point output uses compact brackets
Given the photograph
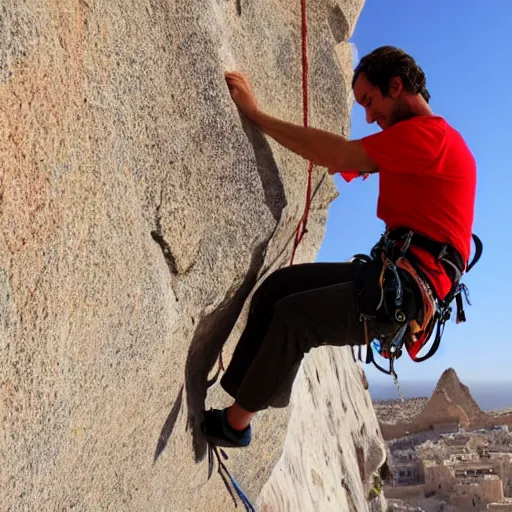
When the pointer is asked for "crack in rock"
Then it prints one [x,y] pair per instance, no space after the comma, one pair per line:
[211,334]
[157,236]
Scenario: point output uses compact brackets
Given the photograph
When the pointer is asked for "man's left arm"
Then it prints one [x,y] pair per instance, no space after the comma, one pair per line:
[323,148]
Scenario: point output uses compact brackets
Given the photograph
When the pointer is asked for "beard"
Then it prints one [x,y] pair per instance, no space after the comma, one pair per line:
[402,112]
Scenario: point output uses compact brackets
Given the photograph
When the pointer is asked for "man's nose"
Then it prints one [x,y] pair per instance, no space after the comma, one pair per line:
[370,116]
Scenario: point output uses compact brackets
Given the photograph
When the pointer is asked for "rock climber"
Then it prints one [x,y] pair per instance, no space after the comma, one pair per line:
[427,183]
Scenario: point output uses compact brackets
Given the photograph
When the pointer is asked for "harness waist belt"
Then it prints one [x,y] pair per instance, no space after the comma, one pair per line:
[437,249]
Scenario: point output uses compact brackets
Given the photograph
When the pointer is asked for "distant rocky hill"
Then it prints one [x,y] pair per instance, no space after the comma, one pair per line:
[451,387]
[399,411]
[450,403]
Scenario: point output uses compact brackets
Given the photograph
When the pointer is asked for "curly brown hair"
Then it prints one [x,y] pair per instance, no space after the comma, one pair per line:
[387,62]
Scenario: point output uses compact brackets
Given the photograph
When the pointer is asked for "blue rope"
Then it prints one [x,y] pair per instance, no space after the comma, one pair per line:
[227,477]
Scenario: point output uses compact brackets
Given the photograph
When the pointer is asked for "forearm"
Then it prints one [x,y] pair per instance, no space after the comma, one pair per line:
[318,146]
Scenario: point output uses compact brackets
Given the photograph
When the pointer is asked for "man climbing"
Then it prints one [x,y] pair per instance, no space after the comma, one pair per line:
[427,181]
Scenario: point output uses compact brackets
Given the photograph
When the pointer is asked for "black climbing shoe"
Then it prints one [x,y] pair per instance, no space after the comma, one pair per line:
[217,430]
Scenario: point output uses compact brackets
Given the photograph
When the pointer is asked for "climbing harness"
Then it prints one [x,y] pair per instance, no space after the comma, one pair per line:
[228,479]
[413,318]
[302,226]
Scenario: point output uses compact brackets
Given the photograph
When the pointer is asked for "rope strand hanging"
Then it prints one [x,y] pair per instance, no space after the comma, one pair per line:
[301,229]
[302,226]
[299,234]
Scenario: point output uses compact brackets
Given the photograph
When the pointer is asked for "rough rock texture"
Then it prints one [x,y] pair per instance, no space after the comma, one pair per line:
[138,212]
[348,451]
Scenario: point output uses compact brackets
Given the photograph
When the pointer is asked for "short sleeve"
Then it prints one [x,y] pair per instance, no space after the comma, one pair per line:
[348,176]
[411,146]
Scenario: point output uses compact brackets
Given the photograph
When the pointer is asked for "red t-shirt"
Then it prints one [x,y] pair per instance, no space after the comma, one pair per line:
[427,183]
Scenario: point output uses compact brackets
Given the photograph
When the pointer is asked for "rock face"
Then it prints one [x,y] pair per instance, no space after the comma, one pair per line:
[139,211]
[326,445]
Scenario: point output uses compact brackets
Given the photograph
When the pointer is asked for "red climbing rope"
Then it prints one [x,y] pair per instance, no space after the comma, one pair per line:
[302,226]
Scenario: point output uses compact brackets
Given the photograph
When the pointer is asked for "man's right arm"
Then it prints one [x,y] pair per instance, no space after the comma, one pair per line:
[318,146]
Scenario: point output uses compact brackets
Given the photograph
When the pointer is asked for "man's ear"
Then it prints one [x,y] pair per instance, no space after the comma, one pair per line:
[396,86]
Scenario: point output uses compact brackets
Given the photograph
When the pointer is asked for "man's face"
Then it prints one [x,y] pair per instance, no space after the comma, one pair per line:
[384,110]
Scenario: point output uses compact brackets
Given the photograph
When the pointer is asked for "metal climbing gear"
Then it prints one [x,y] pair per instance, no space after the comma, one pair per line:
[402,274]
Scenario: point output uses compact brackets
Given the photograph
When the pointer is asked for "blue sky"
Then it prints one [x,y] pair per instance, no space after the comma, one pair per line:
[465,50]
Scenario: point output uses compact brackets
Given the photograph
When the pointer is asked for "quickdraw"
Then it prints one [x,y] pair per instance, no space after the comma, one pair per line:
[413,333]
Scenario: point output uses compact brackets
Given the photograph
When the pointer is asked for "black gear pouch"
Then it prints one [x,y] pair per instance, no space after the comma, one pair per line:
[369,293]
[367,289]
